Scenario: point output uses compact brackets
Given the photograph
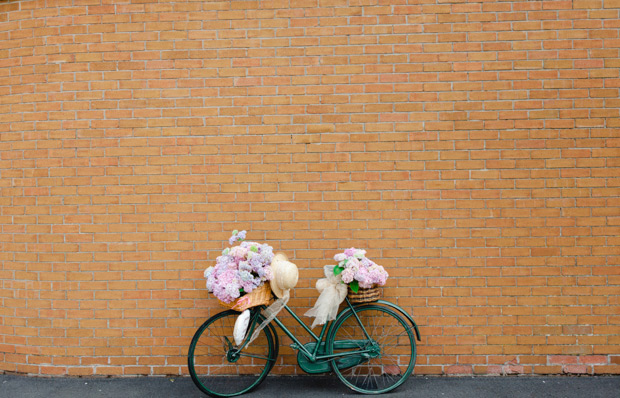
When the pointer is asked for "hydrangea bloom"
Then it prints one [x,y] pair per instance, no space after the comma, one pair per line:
[240,269]
[236,236]
[353,265]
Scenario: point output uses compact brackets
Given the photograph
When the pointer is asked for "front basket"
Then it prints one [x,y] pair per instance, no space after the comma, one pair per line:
[259,296]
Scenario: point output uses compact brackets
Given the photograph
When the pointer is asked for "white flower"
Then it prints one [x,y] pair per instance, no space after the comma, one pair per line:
[340,257]
[360,253]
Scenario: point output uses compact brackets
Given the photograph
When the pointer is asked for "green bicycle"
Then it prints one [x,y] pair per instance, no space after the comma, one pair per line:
[370,346]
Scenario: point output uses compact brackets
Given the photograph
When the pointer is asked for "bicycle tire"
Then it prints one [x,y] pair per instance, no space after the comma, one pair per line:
[392,349]
[216,366]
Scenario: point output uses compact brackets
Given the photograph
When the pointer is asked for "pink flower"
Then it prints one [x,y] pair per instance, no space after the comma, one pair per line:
[364,278]
[238,252]
[353,263]
[360,269]
[347,275]
[239,270]
[378,274]
[350,252]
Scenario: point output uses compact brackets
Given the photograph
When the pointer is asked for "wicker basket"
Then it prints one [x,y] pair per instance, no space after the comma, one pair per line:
[258,296]
[364,295]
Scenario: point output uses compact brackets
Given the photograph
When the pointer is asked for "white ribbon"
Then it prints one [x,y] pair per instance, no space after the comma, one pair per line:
[270,313]
[333,292]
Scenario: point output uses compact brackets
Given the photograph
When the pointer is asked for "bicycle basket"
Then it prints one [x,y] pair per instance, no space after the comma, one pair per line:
[259,296]
[364,295]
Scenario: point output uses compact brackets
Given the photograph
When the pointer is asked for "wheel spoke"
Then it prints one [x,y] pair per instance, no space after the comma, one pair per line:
[244,354]
[214,363]
[391,343]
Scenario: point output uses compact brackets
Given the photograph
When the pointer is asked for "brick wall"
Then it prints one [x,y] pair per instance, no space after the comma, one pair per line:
[473,147]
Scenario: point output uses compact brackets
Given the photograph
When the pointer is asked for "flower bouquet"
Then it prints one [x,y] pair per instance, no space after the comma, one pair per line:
[360,274]
[240,277]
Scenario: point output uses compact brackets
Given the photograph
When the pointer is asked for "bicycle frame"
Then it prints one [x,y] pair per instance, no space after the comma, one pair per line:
[345,346]
[312,356]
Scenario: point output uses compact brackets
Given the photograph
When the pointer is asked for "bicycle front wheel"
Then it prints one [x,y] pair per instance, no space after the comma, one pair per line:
[386,345]
[218,367]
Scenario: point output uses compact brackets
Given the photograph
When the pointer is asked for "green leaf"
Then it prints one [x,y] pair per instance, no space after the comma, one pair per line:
[254,249]
[355,286]
[338,270]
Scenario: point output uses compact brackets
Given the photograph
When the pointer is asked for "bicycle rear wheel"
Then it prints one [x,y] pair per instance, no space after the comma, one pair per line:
[218,367]
[389,345]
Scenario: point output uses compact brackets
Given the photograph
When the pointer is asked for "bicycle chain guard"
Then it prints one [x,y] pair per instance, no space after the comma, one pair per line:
[324,365]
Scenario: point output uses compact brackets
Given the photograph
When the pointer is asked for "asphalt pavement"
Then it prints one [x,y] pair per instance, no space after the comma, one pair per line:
[15,386]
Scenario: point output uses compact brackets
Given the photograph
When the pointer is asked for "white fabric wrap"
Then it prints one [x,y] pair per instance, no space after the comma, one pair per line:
[332,292]
[241,326]
[270,313]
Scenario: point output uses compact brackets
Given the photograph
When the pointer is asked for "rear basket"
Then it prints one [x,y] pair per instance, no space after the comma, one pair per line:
[364,295]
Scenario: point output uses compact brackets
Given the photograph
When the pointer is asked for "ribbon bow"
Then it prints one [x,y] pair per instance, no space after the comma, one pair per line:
[333,292]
